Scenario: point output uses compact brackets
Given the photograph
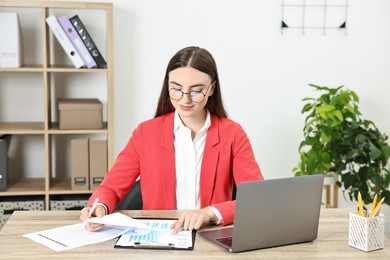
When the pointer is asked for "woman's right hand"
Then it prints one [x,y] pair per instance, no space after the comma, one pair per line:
[99,212]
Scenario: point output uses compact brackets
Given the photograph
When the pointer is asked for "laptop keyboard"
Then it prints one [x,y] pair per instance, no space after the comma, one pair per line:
[226,240]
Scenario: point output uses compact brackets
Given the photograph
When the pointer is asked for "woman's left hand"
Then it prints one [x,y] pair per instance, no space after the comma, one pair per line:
[194,219]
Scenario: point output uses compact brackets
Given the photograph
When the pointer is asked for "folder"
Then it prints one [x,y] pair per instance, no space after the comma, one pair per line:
[11,51]
[4,146]
[88,41]
[79,164]
[97,162]
[63,39]
[76,41]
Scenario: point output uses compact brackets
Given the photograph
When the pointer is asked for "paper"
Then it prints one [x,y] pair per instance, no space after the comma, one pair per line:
[119,220]
[116,224]
[160,229]
[72,236]
[158,234]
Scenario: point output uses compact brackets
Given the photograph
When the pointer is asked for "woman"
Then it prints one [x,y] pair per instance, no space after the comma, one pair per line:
[189,156]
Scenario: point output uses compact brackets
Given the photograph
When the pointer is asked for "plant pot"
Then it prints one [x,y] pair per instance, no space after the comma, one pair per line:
[330,178]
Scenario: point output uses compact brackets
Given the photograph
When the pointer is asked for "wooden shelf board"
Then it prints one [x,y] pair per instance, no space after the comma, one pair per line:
[21,128]
[35,186]
[57,4]
[62,68]
[25,68]
[54,129]
[62,186]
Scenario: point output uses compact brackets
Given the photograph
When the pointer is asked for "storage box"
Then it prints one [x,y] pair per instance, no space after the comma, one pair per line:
[80,164]
[9,204]
[80,113]
[68,202]
[366,234]
[97,162]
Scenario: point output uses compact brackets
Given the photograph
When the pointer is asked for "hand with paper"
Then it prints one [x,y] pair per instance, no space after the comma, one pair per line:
[97,210]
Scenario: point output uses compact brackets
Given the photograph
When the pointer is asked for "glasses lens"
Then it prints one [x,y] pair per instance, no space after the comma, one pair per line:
[175,94]
[197,96]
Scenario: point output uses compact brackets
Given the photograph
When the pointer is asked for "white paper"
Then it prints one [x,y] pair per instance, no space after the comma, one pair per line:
[119,220]
[159,228]
[72,236]
[116,224]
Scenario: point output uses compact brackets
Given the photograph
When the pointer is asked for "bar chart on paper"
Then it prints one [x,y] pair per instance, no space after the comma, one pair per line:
[148,236]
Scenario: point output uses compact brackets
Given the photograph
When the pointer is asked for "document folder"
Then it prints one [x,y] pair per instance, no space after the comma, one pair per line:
[11,50]
[77,41]
[65,42]
[4,146]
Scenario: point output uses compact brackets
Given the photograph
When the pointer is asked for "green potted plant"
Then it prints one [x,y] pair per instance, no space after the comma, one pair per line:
[337,140]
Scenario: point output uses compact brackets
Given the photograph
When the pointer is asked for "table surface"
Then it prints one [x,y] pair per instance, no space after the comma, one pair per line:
[332,241]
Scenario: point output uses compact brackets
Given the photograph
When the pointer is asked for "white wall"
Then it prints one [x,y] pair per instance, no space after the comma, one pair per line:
[264,74]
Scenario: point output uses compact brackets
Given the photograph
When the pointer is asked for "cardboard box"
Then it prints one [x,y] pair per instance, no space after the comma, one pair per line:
[80,164]
[80,113]
[97,162]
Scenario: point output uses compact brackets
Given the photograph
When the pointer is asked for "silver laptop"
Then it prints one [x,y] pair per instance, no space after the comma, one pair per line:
[272,213]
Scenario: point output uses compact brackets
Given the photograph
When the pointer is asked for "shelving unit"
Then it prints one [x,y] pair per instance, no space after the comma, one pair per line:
[51,73]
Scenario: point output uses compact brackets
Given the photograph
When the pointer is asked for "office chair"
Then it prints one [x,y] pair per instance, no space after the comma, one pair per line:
[133,199]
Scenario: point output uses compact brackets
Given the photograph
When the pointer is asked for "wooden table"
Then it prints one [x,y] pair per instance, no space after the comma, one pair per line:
[332,241]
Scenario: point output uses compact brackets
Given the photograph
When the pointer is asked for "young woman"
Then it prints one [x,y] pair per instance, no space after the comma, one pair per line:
[189,156]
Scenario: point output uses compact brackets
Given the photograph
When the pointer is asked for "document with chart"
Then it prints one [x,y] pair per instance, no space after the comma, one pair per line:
[159,235]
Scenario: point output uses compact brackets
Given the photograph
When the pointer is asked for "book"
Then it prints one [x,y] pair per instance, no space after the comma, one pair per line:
[88,41]
[11,51]
[63,39]
[77,42]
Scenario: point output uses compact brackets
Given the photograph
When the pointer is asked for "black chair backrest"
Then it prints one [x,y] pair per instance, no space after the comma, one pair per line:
[132,200]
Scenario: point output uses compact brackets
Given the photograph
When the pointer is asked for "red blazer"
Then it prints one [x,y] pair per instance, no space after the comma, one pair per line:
[150,154]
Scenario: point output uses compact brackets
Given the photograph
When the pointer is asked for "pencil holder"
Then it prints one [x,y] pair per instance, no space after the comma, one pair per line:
[366,234]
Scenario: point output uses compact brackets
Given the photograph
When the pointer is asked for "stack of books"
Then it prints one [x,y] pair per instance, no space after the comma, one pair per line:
[76,41]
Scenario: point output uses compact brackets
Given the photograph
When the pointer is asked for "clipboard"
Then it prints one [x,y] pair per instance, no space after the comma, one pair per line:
[158,246]
[158,237]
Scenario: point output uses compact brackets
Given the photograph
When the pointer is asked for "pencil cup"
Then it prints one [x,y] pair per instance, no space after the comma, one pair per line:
[366,234]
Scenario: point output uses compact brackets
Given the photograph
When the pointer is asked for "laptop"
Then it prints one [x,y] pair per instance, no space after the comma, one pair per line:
[272,213]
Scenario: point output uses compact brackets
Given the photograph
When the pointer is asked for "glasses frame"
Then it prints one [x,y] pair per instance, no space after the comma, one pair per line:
[189,93]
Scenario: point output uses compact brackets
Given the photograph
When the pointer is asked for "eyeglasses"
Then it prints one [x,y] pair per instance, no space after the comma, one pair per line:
[195,95]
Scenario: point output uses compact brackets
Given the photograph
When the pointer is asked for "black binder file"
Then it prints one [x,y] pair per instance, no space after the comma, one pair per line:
[87,39]
[4,145]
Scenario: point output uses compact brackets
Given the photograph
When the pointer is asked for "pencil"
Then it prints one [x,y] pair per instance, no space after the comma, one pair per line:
[360,205]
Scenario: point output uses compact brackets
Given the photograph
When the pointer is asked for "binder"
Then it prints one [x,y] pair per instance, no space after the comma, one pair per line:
[88,41]
[4,146]
[80,164]
[11,51]
[97,162]
[76,41]
[64,41]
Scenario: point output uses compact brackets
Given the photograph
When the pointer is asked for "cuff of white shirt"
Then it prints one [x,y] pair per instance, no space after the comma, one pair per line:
[217,213]
[104,206]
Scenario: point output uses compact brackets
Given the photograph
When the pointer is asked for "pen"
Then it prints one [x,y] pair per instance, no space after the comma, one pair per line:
[90,211]
[360,205]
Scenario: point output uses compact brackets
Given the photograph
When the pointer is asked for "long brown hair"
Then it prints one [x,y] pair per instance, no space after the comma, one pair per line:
[202,60]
